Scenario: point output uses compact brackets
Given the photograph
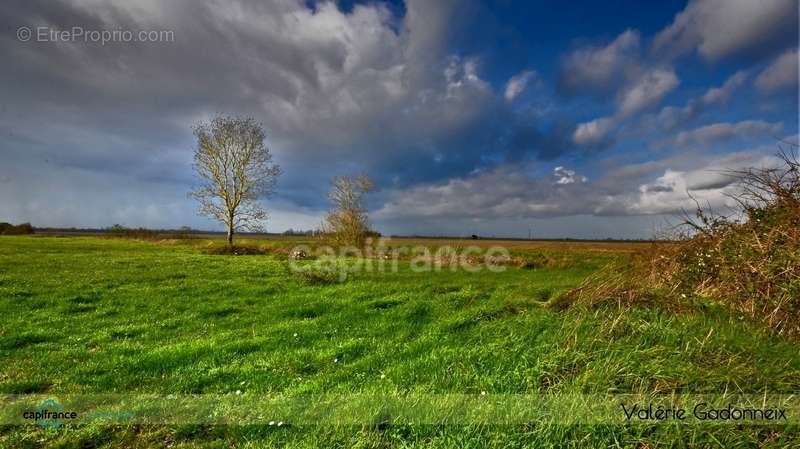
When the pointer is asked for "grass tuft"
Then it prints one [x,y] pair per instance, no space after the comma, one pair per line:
[319,276]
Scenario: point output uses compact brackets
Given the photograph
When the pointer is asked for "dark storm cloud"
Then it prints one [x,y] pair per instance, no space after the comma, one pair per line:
[338,92]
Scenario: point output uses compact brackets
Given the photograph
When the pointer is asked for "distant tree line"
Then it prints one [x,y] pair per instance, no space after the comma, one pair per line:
[122,231]
[20,229]
[299,232]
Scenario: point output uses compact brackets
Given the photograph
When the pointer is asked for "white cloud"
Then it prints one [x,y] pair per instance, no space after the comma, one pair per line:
[671,117]
[781,74]
[565,176]
[641,93]
[718,132]
[721,94]
[663,186]
[711,184]
[614,68]
[508,192]
[720,28]
[517,84]
[669,193]
[647,91]
[600,69]
[593,132]
[503,192]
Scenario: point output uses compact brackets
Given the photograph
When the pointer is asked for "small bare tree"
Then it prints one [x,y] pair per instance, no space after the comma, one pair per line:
[236,171]
[347,223]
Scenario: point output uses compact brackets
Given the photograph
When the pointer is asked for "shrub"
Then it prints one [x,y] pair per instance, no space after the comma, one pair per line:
[347,224]
[750,263]
[753,263]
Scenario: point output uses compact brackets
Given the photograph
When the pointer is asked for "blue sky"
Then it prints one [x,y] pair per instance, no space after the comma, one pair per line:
[566,119]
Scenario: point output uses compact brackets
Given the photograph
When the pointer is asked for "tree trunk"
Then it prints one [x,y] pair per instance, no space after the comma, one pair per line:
[230,234]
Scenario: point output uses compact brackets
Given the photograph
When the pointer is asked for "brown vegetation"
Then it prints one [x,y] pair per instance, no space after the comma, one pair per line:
[347,224]
[750,262]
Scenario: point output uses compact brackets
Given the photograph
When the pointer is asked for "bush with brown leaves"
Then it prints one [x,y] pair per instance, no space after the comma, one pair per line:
[750,263]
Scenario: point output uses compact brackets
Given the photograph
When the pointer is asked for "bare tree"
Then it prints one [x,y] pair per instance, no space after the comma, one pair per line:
[347,223]
[236,171]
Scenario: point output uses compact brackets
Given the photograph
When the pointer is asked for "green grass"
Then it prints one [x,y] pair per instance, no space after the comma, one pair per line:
[89,315]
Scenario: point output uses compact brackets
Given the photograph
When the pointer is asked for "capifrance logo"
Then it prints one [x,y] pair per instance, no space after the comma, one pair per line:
[49,414]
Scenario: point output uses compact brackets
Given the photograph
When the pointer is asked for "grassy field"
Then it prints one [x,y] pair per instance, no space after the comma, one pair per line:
[97,316]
